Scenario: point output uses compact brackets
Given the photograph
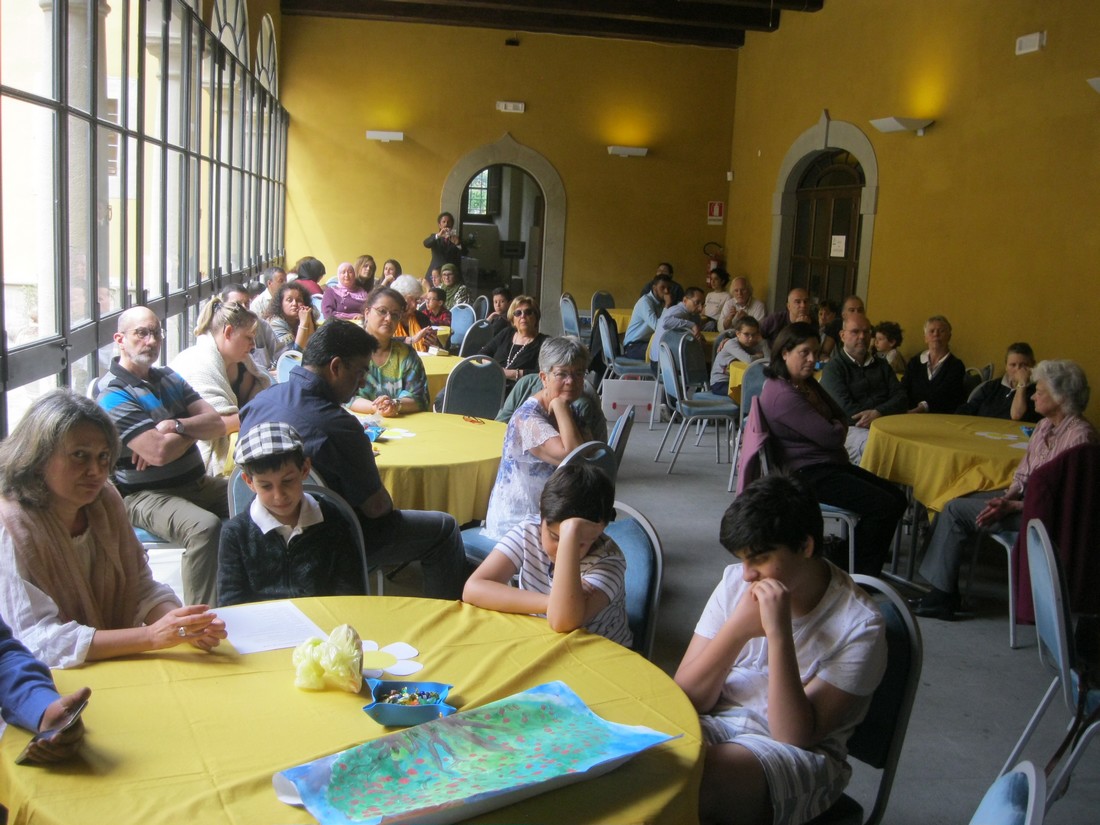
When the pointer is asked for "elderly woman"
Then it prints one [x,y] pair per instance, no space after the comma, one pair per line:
[75,583]
[1061,395]
[414,327]
[543,430]
[345,298]
[808,430]
[934,379]
[452,285]
[516,347]
[219,367]
[291,316]
[395,381]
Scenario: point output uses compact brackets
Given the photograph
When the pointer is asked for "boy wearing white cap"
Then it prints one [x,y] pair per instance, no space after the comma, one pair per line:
[287,543]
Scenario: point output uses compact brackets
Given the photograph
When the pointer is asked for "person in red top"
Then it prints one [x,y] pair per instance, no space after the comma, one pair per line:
[435,307]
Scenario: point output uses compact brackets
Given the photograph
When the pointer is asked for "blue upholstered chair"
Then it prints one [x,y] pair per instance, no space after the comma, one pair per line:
[635,536]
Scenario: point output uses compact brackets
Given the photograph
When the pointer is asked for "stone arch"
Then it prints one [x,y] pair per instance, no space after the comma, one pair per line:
[825,135]
[509,151]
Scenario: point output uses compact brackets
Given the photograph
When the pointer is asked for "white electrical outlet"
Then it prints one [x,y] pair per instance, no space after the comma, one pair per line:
[1028,43]
[511,106]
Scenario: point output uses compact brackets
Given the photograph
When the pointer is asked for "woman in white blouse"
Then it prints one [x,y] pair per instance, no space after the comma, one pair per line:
[75,583]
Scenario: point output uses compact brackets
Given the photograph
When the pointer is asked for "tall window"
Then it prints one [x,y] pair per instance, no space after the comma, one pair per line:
[141,163]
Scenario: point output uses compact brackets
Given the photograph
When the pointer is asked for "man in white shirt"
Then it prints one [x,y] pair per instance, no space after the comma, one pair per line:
[743,304]
[273,278]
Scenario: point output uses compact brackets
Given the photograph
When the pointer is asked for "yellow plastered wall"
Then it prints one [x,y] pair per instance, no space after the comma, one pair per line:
[439,85]
[993,217]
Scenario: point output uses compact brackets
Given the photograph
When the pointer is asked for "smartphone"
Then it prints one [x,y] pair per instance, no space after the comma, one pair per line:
[70,719]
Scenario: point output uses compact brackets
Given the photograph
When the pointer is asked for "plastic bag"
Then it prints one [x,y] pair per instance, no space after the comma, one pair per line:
[335,662]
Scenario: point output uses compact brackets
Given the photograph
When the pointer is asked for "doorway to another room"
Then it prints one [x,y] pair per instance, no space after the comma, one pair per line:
[502,219]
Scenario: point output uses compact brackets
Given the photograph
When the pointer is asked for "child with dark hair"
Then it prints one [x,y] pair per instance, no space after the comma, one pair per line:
[435,307]
[287,543]
[568,570]
[888,338]
[782,665]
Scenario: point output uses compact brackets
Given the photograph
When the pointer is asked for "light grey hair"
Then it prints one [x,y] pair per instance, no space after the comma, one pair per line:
[932,319]
[1067,383]
[38,435]
[564,351]
[408,286]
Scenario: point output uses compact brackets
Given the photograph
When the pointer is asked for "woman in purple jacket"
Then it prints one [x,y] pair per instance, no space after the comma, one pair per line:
[807,434]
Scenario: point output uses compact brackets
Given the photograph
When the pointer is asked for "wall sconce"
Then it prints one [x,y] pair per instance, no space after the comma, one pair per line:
[385,137]
[628,151]
[1095,83]
[902,124]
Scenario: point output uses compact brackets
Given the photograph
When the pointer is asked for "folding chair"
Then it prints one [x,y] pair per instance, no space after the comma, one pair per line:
[349,515]
[620,433]
[474,387]
[570,318]
[597,454]
[1056,650]
[751,385]
[287,361]
[878,739]
[476,337]
[481,306]
[462,318]
[639,542]
[1015,798]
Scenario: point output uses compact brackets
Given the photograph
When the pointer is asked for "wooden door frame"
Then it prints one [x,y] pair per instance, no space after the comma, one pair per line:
[825,135]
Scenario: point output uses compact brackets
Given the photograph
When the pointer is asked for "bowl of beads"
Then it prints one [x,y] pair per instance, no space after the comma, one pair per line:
[401,704]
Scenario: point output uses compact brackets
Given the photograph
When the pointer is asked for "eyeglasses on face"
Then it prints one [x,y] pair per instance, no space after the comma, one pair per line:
[520,313]
[142,333]
[565,375]
[386,313]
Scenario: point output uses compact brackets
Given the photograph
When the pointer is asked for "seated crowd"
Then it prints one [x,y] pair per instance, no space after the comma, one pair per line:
[788,650]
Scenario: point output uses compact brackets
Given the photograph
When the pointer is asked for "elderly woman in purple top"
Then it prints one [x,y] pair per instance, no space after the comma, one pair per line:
[346,298]
[807,431]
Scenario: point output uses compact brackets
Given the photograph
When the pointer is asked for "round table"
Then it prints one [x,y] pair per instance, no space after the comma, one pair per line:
[944,456]
[621,317]
[433,461]
[185,736]
[438,367]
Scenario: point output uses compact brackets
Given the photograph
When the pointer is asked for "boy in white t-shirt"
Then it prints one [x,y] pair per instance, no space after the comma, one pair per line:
[568,570]
[782,665]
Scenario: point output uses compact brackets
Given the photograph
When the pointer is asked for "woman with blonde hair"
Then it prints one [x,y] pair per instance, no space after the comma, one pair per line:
[75,582]
[219,367]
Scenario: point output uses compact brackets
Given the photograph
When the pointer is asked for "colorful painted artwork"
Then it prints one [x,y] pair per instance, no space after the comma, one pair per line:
[456,767]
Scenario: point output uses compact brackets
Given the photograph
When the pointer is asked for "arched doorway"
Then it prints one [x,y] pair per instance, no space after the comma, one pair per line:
[819,148]
[507,151]
[503,209]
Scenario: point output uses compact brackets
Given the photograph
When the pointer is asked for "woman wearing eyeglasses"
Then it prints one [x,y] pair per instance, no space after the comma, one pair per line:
[543,430]
[516,348]
[395,381]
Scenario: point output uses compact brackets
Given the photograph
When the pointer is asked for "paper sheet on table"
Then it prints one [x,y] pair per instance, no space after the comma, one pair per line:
[253,628]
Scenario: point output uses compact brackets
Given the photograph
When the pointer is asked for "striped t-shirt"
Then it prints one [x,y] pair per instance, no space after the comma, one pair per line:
[135,406]
[604,567]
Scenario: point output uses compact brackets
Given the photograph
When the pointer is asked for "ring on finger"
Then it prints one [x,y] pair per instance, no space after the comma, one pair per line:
[181,632]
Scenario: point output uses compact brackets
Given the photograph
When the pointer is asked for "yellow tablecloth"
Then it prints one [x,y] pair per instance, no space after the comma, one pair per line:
[183,736]
[944,456]
[621,316]
[449,464]
[438,367]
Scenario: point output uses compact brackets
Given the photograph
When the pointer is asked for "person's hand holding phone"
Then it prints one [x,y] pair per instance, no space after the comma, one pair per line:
[60,732]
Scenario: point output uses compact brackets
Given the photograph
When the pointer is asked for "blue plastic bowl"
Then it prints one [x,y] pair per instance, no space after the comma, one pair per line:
[1027,431]
[403,716]
[373,431]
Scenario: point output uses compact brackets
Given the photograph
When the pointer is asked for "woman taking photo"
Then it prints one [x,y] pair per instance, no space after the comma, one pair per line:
[808,430]
[292,316]
[345,298]
[75,583]
[219,367]
[516,347]
[395,381]
[543,430]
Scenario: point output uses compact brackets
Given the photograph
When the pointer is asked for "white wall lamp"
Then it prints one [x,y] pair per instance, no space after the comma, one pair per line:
[628,151]
[902,124]
[385,137]
[1095,83]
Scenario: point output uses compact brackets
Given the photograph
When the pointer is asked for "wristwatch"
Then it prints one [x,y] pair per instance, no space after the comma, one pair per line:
[180,429]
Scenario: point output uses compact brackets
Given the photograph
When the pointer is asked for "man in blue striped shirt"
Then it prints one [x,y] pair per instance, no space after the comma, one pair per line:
[160,473]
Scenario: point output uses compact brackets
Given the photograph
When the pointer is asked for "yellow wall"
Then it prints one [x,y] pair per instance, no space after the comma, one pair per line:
[993,217]
[439,85]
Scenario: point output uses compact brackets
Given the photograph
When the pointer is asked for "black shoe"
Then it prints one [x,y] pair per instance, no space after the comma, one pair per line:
[936,605]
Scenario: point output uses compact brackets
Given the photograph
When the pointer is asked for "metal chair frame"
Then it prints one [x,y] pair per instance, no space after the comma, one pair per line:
[475,398]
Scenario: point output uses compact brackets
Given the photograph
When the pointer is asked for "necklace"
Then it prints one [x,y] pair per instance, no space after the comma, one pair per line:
[513,353]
